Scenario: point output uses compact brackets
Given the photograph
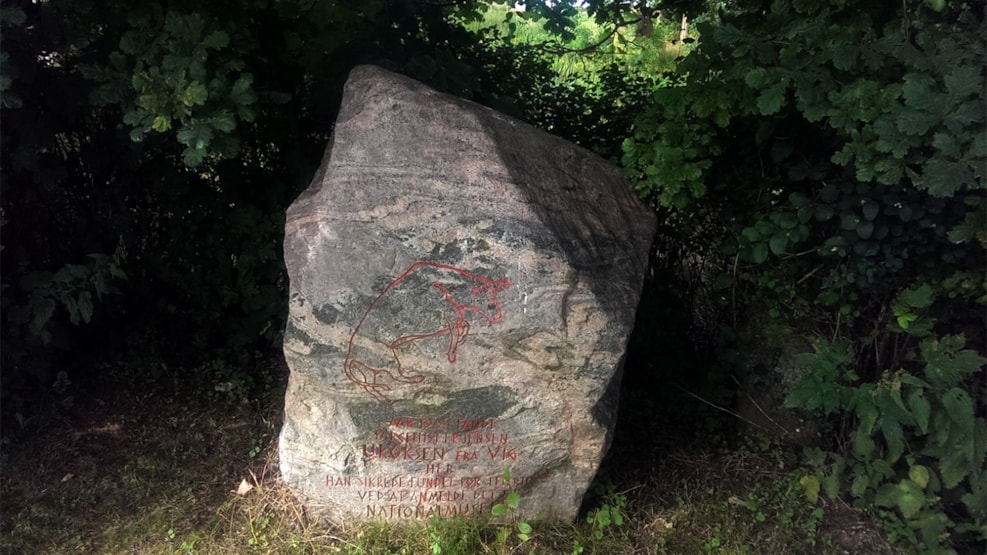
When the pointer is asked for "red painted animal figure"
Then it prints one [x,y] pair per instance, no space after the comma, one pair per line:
[429,300]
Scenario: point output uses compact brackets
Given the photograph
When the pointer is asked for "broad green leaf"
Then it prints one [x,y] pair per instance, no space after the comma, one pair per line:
[870,210]
[193,156]
[757,78]
[196,136]
[905,320]
[974,502]
[765,228]
[524,527]
[242,93]
[959,406]
[831,486]
[785,220]
[887,495]
[964,80]
[920,475]
[216,40]
[778,242]
[41,312]
[498,510]
[844,55]
[814,456]
[85,305]
[770,100]
[859,486]
[161,124]
[71,305]
[920,409]
[223,121]
[910,499]
[893,436]
[943,178]
[723,281]
[980,440]
[195,94]
[946,144]
[968,362]
[863,445]
[866,414]
[934,526]
[759,253]
[799,200]
[919,297]
[909,379]
[865,229]
[805,214]
[917,90]
[513,499]
[898,408]
[810,487]
[953,468]
[916,122]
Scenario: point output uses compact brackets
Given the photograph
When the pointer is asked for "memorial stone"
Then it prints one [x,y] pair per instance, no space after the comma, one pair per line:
[462,288]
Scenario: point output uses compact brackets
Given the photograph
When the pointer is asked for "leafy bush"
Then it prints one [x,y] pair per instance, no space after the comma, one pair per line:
[918,443]
[838,151]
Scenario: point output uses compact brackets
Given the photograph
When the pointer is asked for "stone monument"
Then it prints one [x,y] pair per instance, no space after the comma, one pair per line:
[463,286]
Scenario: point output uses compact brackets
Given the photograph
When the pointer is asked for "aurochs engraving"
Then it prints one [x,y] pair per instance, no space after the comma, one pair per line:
[428,302]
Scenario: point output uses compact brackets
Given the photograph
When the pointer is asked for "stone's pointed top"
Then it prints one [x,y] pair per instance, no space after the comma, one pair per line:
[462,290]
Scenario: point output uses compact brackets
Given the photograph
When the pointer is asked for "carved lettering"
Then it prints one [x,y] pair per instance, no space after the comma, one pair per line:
[447,452]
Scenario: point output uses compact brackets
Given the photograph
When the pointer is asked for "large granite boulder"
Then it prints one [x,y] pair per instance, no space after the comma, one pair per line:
[462,289]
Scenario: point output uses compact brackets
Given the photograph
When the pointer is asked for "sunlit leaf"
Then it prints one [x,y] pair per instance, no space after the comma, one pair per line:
[920,475]
[810,487]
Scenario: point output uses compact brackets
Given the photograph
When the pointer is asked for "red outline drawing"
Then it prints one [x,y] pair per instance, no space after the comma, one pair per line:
[379,342]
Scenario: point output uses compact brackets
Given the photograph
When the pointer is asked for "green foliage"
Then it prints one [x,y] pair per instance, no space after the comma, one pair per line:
[174,70]
[918,445]
[587,45]
[896,106]
[611,514]
[833,155]
[41,313]
[73,287]
[521,528]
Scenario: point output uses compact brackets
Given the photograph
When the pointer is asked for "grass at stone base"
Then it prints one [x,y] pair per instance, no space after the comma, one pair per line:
[160,474]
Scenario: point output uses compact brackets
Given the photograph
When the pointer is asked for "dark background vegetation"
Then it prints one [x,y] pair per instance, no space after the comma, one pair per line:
[818,169]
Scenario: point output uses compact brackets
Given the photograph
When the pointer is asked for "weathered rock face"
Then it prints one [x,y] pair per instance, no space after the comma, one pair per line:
[462,290]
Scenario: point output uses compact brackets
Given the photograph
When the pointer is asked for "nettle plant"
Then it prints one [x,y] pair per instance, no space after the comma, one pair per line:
[519,527]
[918,443]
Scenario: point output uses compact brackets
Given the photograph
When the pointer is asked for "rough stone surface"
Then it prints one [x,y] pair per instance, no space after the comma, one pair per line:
[462,290]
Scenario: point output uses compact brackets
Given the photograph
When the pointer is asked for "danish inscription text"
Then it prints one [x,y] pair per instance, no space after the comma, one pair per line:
[460,471]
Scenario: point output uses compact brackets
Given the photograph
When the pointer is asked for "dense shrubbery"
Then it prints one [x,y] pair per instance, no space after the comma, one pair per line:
[840,146]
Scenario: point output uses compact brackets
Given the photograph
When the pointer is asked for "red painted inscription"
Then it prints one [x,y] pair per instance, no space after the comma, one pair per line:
[450,453]
[373,359]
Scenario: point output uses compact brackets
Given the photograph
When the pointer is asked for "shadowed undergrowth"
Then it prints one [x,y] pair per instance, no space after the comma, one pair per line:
[172,473]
